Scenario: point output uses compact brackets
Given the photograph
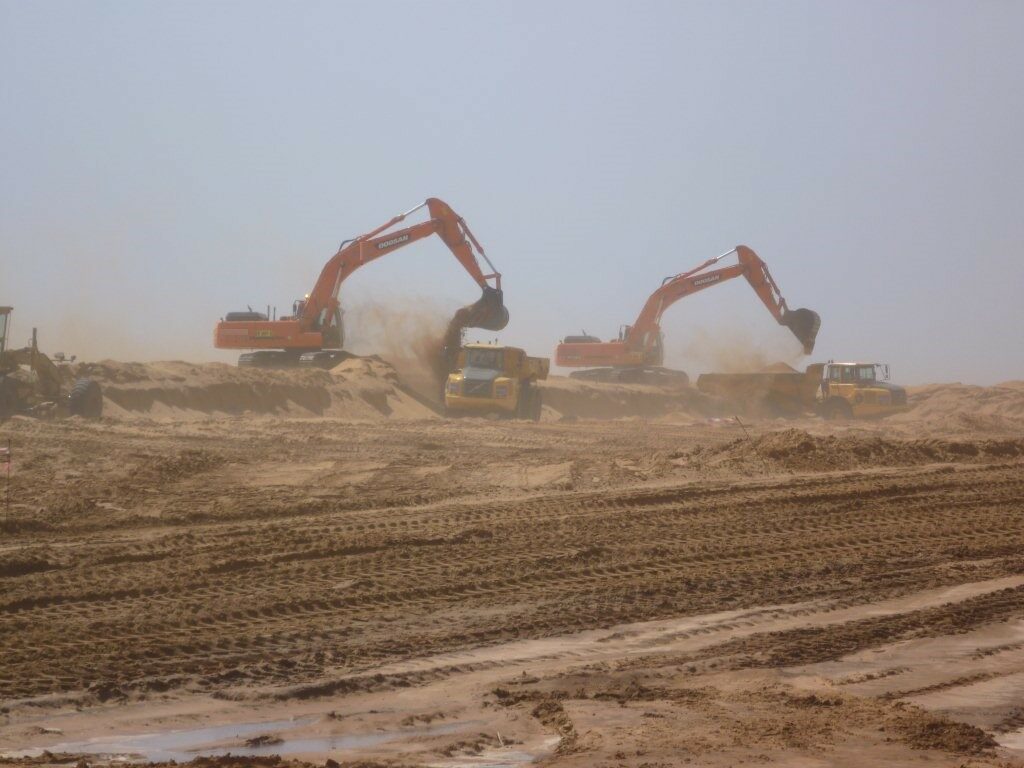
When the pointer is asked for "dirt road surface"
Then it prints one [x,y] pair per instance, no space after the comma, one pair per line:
[331,571]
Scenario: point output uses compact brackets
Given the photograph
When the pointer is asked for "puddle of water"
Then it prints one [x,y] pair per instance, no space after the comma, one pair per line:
[507,760]
[184,745]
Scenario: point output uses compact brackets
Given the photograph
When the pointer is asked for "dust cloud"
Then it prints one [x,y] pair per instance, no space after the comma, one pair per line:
[409,334]
[733,350]
[417,337]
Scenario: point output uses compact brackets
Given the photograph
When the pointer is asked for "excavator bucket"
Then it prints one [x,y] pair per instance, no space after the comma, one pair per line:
[489,312]
[804,323]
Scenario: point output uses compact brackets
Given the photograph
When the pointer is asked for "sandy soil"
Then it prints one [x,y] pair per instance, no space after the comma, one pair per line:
[313,565]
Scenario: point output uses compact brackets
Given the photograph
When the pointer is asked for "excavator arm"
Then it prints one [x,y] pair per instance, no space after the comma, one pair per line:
[316,321]
[444,222]
[803,323]
[639,345]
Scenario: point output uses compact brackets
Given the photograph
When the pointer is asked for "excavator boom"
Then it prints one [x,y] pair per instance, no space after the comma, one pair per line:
[315,323]
[640,344]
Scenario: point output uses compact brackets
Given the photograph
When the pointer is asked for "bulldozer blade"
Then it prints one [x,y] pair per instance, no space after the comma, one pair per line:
[804,323]
[489,312]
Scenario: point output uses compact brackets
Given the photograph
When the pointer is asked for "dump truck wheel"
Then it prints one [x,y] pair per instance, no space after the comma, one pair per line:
[86,399]
[837,408]
[523,406]
[527,396]
[8,398]
[537,405]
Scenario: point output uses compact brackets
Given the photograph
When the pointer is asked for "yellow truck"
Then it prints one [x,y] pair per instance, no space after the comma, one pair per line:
[491,379]
[832,390]
[858,390]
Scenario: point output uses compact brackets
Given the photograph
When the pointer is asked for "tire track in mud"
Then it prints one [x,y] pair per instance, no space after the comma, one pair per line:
[835,530]
[281,599]
[812,645]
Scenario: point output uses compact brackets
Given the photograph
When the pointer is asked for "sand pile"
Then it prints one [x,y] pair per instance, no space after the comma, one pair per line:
[795,449]
[359,388]
[962,408]
[573,398]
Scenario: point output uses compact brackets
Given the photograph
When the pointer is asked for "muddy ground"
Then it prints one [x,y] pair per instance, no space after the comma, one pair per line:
[313,565]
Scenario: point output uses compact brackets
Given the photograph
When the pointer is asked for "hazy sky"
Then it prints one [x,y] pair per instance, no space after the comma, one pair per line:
[165,162]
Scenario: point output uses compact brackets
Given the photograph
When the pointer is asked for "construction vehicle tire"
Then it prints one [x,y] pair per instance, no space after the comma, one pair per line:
[537,404]
[836,408]
[86,399]
[524,406]
[8,398]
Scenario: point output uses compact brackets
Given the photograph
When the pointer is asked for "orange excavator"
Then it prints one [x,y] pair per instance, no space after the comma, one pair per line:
[638,353]
[314,333]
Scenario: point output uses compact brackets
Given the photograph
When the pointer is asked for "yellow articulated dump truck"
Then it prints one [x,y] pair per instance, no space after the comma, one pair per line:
[832,390]
[858,390]
[495,380]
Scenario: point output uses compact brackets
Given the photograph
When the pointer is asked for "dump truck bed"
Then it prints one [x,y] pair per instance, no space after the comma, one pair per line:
[777,393]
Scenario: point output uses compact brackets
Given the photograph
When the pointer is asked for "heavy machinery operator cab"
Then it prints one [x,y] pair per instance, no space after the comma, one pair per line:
[857,373]
[484,359]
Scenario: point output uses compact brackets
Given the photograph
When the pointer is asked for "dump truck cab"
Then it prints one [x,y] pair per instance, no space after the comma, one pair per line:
[858,390]
[492,379]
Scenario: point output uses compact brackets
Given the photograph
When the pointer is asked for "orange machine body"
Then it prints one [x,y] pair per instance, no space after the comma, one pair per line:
[640,344]
[315,323]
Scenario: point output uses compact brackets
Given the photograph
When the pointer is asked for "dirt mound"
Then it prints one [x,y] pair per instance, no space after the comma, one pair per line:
[963,408]
[924,730]
[361,388]
[796,449]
